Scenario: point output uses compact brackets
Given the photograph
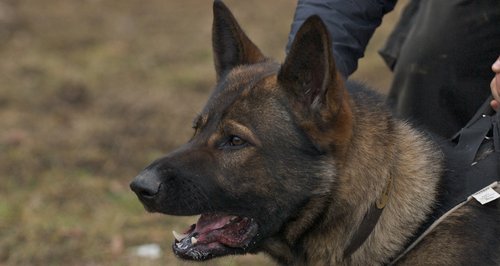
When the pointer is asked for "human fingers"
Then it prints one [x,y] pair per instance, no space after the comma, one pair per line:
[495,85]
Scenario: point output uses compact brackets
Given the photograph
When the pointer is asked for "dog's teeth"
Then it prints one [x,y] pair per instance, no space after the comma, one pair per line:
[178,236]
[194,240]
[234,219]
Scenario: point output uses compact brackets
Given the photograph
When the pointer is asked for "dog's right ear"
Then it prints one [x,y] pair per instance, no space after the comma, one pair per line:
[315,87]
[309,71]
[231,46]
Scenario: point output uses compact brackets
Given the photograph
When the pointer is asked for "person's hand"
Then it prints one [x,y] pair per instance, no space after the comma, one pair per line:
[495,85]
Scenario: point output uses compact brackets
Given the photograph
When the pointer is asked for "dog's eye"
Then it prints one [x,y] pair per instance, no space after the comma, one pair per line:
[234,142]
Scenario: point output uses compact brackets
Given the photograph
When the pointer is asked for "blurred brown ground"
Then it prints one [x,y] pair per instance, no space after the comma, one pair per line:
[91,91]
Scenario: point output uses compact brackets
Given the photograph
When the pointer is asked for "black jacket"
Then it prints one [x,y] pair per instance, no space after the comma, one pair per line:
[351,24]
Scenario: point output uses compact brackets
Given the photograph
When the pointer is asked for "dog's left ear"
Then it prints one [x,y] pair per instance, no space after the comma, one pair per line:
[231,46]
[309,71]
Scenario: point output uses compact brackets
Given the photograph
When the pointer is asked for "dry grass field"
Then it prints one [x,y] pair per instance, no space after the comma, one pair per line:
[91,91]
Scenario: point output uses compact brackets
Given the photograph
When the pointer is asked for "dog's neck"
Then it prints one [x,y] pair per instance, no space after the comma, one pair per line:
[359,182]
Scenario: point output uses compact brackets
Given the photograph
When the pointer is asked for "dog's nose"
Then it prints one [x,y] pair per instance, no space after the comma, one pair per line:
[146,185]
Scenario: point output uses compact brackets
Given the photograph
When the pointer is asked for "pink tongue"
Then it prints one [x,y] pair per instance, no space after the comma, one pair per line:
[210,222]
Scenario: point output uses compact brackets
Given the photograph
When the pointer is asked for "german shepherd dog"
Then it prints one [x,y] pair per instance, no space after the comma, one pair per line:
[290,160]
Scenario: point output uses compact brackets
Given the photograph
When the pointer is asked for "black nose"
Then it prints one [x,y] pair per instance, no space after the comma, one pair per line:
[146,185]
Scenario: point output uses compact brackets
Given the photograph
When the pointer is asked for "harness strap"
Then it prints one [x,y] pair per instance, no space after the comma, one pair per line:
[470,176]
[436,223]
[467,173]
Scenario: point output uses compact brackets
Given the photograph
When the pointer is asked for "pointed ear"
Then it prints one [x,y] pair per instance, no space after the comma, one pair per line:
[231,46]
[309,72]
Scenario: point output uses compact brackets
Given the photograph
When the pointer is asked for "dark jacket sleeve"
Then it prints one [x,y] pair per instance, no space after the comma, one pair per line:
[351,24]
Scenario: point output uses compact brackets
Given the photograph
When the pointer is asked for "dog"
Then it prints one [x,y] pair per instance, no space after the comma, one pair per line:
[291,160]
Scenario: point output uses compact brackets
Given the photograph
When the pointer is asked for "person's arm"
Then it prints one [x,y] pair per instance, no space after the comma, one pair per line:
[495,85]
[351,24]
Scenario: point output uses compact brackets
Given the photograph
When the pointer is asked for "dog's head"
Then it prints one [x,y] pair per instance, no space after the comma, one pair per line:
[262,146]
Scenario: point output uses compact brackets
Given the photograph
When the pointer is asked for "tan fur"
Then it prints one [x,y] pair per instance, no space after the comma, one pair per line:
[414,164]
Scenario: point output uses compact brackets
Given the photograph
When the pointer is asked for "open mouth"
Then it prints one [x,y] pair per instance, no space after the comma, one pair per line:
[215,235]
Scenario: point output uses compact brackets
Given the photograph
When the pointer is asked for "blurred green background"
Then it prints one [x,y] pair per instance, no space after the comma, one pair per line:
[91,91]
